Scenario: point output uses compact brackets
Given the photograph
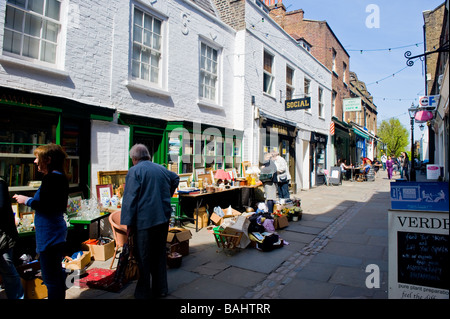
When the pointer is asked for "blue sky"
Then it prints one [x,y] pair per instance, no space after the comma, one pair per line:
[400,24]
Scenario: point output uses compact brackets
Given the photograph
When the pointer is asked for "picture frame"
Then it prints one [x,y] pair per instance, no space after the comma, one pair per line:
[199,171]
[245,166]
[74,202]
[104,190]
[182,185]
[206,178]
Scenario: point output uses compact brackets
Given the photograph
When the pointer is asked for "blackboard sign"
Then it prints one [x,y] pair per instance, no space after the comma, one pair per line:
[423,259]
[418,255]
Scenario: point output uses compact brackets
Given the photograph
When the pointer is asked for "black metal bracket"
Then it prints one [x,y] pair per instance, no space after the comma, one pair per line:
[444,48]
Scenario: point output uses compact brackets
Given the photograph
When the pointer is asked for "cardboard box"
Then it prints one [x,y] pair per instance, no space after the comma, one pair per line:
[34,288]
[281,222]
[202,217]
[217,220]
[100,252]
[79,263]
[178,240]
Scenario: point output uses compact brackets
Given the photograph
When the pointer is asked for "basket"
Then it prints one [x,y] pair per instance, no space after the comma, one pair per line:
[226,241]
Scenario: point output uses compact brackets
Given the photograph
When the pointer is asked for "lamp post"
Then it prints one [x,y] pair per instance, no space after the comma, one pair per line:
[412,113]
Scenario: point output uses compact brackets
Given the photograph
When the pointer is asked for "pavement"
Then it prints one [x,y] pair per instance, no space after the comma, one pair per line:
[343,230]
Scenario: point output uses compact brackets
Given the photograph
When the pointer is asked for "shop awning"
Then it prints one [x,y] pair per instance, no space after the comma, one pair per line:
[361,133]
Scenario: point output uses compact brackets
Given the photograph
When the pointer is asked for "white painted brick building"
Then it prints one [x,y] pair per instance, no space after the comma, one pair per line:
[92,70]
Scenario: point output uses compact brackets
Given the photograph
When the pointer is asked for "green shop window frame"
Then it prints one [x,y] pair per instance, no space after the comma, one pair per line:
[191,147]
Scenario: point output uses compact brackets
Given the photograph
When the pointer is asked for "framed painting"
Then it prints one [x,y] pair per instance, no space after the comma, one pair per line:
[74,202]
[104,190]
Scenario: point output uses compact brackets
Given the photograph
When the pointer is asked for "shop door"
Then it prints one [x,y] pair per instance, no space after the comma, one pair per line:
[288,153]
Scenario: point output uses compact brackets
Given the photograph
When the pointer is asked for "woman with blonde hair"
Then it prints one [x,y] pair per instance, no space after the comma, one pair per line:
[50,203]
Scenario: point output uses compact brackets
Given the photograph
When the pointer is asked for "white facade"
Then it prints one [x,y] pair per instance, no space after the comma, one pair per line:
[93,65]
[263,34]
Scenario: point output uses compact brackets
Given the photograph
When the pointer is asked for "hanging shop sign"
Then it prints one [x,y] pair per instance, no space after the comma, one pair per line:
[352,105]
[429,101]
[297,104]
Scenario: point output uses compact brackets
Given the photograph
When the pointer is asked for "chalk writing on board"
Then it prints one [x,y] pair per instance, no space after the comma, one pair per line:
[423,259]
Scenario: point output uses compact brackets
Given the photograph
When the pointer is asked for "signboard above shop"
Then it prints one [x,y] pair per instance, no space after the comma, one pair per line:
[297,104]
[352,105]
[429,101]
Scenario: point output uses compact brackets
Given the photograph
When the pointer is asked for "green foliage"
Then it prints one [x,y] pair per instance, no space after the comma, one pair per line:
[394,135]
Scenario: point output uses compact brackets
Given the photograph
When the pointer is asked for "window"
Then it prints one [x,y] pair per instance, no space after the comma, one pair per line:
[289,83]
[146,56]
[334,61]
[307,85]
[32,28]
[268,76]
[321,108]
[344,71]
[208,72]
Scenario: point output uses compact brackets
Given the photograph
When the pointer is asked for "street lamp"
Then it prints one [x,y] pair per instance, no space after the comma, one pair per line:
[412,113]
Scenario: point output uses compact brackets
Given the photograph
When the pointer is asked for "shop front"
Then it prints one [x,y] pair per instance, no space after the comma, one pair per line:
[280,136]
[29,120]
[341,142]
[361,139]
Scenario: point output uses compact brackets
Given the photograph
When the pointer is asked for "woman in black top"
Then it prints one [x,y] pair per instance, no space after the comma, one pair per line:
[50,203]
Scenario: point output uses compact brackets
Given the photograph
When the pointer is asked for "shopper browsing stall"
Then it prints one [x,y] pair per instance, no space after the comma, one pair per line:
[50,204]
[283,176]
[146,211]
[268,177]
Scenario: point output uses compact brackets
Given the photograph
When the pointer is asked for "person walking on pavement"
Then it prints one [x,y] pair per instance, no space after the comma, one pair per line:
[146,211]
[390,167]
[50,204]
[8,238]
[283,176]
[405,165]
[383,161]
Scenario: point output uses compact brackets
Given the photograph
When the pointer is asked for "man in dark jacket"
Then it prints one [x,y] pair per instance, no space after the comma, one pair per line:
[8,237]
[146,211]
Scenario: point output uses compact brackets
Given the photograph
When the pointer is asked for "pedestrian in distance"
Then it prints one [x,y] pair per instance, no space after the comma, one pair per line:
[146,211]
[405,165]
[390,166]
[383,161]
[8,239]
[50,204]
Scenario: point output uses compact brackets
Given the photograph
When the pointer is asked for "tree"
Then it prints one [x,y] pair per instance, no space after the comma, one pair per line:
[394,135]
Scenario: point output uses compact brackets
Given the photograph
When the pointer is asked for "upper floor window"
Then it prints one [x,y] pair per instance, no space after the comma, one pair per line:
[268,73]
[32,28]
[208,72]
[334,61]
[146,57]
[289,83]
[321,106]
[344,72]
[306,88]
